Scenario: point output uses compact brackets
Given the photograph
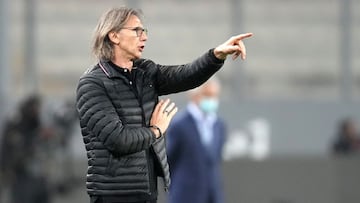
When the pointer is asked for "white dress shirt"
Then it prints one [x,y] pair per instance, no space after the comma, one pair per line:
[204,123]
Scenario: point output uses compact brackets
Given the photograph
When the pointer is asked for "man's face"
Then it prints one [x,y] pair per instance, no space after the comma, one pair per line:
[130,44]
[208,100]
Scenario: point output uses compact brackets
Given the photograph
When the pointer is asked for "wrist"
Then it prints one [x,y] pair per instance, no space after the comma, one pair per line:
[156,130]
[219,55]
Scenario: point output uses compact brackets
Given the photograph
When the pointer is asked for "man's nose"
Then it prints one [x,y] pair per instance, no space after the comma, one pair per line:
[144,36]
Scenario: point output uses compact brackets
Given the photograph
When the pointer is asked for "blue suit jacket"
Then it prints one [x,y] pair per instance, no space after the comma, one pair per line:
[195,170]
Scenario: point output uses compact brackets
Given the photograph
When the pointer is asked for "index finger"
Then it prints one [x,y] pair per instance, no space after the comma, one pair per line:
[243,36]
[158,105]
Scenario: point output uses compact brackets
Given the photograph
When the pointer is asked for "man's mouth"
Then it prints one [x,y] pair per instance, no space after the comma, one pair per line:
[141,48]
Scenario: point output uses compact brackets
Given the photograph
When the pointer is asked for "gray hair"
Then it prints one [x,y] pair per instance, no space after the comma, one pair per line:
[197,90]
[111,21]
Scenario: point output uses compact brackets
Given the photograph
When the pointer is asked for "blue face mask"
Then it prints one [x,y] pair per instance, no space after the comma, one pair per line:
[209,105]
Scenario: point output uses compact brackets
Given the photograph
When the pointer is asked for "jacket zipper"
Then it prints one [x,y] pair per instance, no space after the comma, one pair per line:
[150,162]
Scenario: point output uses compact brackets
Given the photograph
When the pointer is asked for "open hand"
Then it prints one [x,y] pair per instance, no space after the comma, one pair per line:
[163,113]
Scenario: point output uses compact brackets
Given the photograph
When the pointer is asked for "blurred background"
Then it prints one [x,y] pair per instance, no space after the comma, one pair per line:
[286,106]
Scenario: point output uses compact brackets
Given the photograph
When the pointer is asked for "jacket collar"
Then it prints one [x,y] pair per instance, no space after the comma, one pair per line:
[109,71]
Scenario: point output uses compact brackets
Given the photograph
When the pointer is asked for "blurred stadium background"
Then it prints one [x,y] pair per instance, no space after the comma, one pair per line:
[282,105]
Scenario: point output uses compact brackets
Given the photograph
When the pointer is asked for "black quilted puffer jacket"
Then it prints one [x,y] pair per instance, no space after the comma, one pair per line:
[114,118]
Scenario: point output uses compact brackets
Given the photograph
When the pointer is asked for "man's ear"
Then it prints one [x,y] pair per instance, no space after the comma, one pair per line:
[114,37]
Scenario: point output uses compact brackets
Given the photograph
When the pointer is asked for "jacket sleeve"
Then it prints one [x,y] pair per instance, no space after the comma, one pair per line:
[173,79]
[99,117]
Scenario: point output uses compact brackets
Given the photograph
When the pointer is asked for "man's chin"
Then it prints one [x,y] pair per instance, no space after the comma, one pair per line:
[137,56]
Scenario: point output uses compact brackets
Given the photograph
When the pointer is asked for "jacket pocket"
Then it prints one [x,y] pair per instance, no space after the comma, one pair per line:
[127,164]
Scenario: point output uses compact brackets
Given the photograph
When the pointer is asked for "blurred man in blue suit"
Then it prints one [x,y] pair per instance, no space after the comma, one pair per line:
[195,141]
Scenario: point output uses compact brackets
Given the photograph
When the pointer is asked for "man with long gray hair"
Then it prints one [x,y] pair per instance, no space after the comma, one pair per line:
[122,121]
